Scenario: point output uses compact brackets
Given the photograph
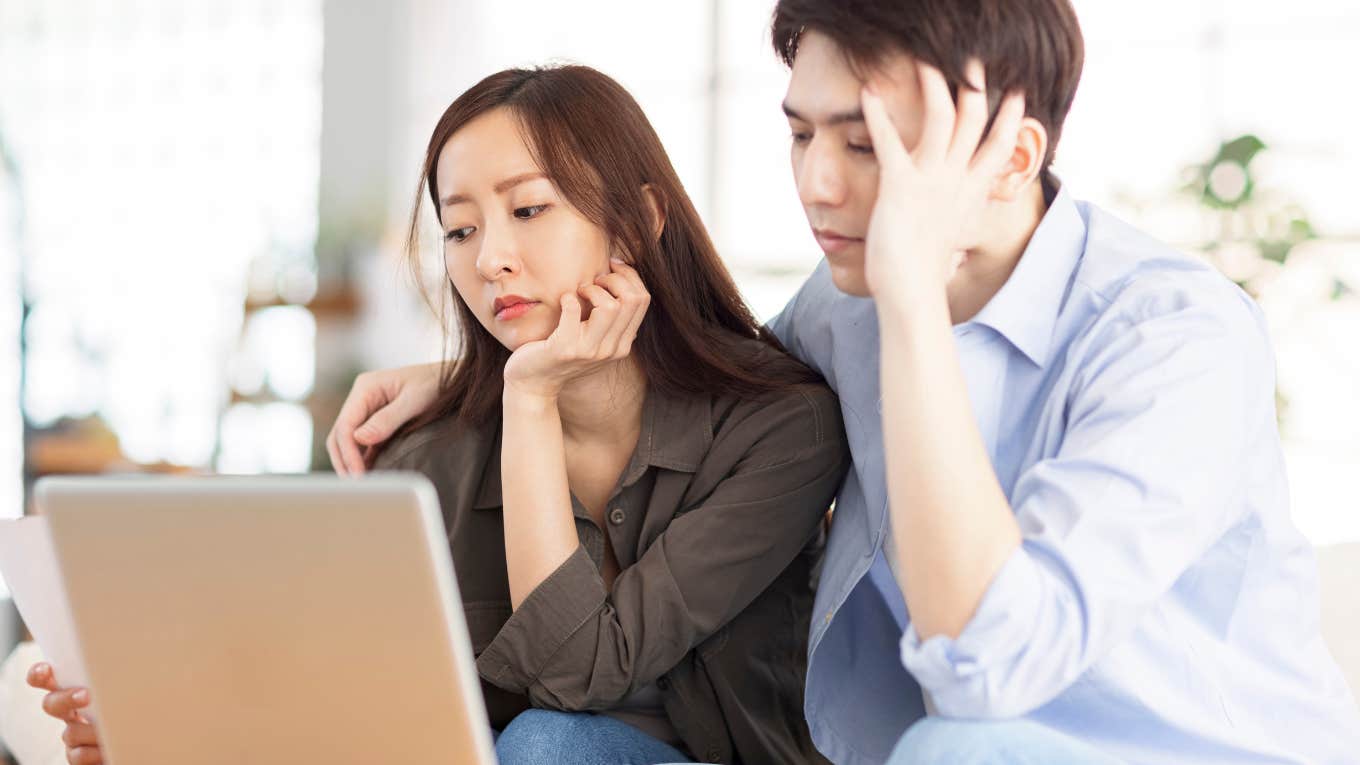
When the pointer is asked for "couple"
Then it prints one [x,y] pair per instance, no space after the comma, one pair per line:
[1061,532]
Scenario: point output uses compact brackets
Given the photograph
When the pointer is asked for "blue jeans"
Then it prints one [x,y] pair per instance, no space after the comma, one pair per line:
[938,741]
[542,737]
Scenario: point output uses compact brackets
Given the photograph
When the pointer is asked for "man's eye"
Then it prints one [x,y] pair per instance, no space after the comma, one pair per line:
[801,138]
[860,148]
[459,234]
[525,213]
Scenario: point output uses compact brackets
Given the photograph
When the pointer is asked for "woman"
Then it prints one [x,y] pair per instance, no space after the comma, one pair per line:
[632,473]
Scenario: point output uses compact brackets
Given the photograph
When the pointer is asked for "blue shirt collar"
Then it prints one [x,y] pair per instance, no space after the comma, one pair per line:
[1026,308]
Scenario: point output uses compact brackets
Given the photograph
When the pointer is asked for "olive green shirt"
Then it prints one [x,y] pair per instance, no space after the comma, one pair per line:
[716,526]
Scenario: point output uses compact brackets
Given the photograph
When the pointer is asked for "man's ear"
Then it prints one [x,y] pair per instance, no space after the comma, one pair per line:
[1026,162]
[657,206]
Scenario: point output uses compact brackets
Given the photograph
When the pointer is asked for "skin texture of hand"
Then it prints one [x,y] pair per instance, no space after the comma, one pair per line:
[540,531]
[580,347]
[952,524]
[931,197]
[378,404]
[80,737]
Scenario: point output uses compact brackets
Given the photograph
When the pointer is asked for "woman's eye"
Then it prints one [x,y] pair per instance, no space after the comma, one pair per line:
[525,213]
[459,234]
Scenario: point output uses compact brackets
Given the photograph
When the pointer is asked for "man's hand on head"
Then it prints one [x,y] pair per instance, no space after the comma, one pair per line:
[931,194]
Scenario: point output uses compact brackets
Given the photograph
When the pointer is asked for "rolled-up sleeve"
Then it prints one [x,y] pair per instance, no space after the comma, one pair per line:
[574,645]
[1149,476]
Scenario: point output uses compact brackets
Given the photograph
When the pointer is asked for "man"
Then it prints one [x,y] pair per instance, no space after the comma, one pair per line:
[1065,537]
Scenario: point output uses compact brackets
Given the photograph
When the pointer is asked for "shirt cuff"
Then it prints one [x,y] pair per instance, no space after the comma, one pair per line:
[552,613]
[962,675]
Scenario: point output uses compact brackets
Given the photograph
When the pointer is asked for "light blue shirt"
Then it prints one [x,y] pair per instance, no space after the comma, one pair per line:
[1162,608]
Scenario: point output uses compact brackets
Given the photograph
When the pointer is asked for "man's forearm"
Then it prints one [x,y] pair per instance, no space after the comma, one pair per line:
[952,525]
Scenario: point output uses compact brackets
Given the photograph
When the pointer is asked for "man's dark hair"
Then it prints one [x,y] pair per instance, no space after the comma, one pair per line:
[1034,46]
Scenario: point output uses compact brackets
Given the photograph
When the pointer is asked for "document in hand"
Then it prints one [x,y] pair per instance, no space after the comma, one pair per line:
[29,567]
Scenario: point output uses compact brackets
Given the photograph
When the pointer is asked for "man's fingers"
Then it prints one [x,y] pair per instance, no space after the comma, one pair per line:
[972,113]
[66,704]
[888,146]
[337,462]
[996,151]
[369,393]
[384,422]
[937,127]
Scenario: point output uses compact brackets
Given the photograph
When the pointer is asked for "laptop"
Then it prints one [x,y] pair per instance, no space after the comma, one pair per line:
[268,620]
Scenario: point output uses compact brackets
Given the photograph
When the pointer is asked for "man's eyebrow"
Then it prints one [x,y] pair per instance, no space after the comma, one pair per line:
[836,118]
[499,188]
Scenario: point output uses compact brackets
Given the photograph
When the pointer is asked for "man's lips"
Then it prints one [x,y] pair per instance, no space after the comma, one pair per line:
[512,307]
[833,242]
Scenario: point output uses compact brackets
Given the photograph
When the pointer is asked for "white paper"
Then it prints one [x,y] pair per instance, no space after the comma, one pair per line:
[30,569]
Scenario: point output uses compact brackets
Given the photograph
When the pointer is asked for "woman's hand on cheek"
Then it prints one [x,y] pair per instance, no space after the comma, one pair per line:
[576,348]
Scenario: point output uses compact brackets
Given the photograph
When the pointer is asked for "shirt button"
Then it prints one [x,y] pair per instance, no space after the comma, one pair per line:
[829,614]
[714,755]
[616,516]
[663,683]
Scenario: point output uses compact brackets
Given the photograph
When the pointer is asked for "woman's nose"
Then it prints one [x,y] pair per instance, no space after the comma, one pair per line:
[498,257]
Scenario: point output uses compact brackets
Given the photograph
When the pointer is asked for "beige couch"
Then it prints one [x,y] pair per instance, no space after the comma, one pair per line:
[1340,567]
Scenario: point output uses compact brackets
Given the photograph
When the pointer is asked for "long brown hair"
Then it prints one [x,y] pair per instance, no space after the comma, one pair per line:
[594,143]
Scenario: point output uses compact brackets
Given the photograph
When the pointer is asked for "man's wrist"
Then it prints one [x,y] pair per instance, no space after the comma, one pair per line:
[906,308]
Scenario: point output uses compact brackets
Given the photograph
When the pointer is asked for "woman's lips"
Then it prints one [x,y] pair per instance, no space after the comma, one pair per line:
[833,243]
[515,310]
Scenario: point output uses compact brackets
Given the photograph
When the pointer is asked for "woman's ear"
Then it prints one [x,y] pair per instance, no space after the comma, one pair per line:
[1026,162]
[657,206]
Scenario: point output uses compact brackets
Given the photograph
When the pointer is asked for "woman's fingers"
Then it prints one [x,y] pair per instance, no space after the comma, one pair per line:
[78,734]
[626,285]
[85,755]
[604,313]
[65,704]
[40,676]
[567,337]
[617,285]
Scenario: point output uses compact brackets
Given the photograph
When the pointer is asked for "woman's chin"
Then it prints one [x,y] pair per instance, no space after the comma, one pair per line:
[514,339]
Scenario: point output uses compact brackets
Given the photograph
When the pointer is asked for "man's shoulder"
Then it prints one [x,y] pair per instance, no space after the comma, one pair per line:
[1128,278]
[807,323]
[1125,269]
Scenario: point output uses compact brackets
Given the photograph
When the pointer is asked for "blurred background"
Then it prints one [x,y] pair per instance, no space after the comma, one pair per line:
[201,201]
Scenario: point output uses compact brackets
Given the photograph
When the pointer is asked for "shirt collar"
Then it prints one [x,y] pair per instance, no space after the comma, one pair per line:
[676,433]
[1025,310]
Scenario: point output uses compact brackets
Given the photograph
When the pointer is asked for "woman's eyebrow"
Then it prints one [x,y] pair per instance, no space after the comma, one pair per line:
[500,188]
